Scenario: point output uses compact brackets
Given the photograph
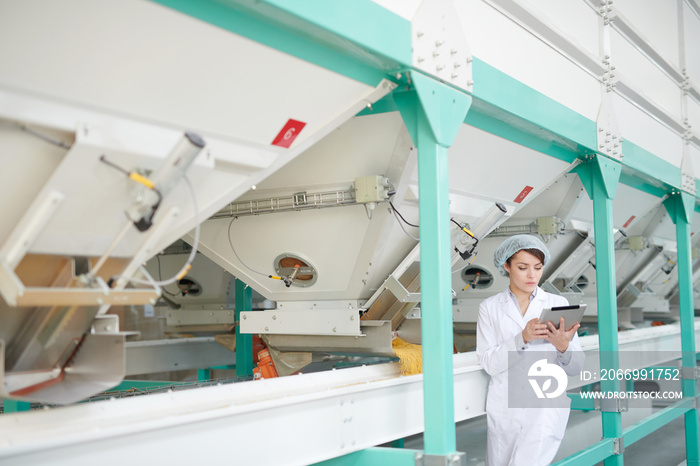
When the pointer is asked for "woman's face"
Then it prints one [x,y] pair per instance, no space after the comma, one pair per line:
[525,271]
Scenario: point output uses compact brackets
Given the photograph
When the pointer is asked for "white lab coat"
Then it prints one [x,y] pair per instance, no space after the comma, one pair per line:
[520,436]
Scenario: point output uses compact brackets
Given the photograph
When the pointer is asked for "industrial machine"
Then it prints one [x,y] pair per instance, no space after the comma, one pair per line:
[355,167]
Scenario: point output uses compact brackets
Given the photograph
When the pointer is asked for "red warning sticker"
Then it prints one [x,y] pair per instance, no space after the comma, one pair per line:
[523,194]
[289,133]
[627,223]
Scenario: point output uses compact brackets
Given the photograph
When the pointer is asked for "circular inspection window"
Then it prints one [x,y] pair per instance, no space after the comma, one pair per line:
[477,278]
[298,270]
[189,287]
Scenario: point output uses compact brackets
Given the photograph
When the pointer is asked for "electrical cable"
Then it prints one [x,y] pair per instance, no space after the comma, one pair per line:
[402,227]
[286,280]
[188,264]
[399,214]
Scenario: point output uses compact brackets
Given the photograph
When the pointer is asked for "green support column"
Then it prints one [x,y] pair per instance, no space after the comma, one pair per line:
[680,207]
[600,177]
[244,341]
[433,114]
[203,375]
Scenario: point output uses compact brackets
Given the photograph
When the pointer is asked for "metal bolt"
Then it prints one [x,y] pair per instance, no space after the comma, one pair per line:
[352,317]
[335,329]
[439,67]
[457,64]
[436,53]
[453,51]
[267,329]
[274,317]
[245,317]
[419,33]
[438,43]
[99,301]
[421,59]
[398,75]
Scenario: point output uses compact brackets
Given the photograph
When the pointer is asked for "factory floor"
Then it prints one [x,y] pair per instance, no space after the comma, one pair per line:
[665,447]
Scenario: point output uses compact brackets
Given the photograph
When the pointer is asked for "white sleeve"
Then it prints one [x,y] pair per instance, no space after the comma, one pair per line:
[573,358]
[494,354]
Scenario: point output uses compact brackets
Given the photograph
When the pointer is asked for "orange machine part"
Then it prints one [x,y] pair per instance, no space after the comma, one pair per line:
[266,368]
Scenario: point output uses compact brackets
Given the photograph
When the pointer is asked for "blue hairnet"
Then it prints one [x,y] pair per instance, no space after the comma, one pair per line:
[514,244]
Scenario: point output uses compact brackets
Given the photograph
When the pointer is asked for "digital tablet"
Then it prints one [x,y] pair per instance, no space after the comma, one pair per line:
[571,315]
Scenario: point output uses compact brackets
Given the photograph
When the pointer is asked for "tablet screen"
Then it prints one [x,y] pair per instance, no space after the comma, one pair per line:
[571,315]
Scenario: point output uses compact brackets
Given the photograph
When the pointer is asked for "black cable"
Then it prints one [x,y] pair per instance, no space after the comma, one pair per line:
[104,160]
[401,216]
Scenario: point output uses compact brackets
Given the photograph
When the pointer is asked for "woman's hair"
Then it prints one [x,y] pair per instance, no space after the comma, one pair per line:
[535,252]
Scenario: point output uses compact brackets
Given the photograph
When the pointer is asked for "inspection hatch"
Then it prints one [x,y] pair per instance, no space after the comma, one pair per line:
[477,278]
[297,269]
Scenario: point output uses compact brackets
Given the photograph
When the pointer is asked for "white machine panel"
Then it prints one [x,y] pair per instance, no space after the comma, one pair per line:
[574,18]
[629,202]
[694,116]
[643,130]
[644,76]
[475,156]
[657,20]
[691,30]
[502,43]
[102,54]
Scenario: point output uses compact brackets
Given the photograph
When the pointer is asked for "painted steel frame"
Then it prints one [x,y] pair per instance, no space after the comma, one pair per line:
[321,32]
[244,342]
[538,122]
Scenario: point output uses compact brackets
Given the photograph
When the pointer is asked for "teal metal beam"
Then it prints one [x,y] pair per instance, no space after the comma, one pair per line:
[600,177]
[680,207]
[433,114]
[244,341]
[656,421]
[203,374]
[358,39]
[376,456]
[14,406]
[591,455]
[580,403]
[528,108]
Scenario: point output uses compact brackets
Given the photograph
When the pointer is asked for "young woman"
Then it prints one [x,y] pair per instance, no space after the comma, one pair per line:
[507,332]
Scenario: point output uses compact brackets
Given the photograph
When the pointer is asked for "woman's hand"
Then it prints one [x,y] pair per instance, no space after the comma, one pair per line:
[559,337]
[534,330]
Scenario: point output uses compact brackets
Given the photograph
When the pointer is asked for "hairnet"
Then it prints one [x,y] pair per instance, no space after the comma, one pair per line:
[514,244]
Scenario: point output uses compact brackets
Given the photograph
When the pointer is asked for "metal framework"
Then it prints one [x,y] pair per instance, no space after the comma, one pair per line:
[452,388]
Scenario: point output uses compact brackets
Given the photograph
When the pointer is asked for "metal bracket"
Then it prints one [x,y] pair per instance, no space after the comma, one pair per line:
[613,405]
[401,293]
[618,446]
[453,459]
